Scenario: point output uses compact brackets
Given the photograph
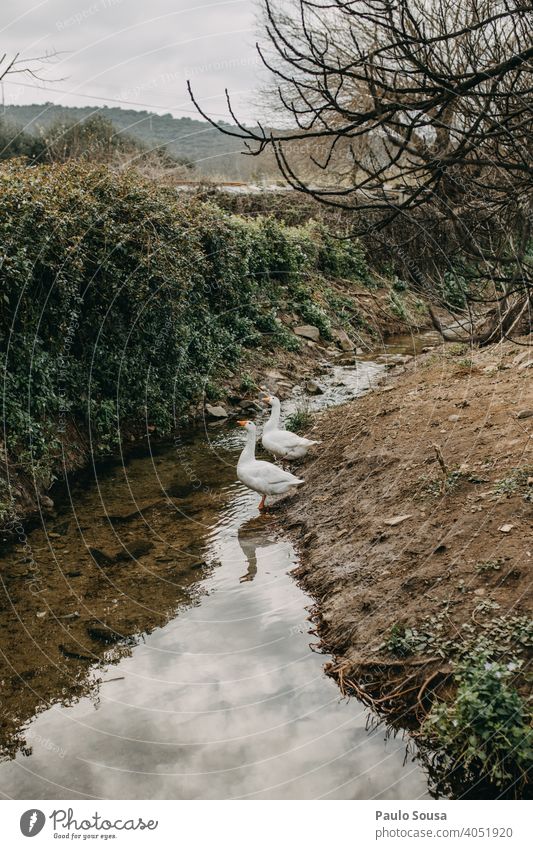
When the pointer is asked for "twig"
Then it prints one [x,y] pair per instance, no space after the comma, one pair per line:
[423,689]
[394,695]
[441,461]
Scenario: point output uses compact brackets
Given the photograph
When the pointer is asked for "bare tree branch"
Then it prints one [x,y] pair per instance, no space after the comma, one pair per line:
[399,108]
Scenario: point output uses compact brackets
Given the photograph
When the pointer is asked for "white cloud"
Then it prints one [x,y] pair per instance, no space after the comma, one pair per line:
[130,50]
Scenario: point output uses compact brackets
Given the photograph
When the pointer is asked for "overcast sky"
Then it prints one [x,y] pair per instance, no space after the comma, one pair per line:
[135,53]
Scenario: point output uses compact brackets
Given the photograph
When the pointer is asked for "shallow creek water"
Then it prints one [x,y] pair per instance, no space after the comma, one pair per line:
[154,644]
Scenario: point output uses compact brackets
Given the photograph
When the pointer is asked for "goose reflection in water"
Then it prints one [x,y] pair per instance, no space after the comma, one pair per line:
[251,536]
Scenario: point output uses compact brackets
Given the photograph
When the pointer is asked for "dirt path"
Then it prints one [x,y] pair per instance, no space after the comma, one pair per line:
[417,514]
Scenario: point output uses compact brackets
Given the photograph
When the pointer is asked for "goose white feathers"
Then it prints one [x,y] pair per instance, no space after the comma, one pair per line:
[259,475]
[283,444]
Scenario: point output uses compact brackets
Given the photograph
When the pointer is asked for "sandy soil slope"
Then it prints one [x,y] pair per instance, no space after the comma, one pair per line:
[417,512]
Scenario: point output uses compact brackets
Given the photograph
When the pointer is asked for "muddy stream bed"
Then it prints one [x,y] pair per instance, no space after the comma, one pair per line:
[154,645]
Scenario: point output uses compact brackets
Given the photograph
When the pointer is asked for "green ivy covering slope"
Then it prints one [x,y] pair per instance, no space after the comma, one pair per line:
[122,300]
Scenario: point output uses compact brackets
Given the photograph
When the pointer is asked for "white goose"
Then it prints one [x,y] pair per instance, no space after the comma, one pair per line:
[282,443]
[260,475]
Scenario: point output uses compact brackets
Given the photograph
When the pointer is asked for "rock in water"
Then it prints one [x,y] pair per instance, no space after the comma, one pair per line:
[343,340]
[104,634]
[314,388]
[73,650]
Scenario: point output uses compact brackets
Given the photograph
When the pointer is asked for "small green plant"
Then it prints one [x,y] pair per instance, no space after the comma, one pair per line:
[7,502]
[430,486]
[489,566]
[441,485]
[465,363]
[346,309]
[299,421]
[311,312]
[429,361]
[503,635]
[486,606]
[517,483]
[456,349]
[213,391]
[248,384]
[397,305]
[399,285]
[403,641]
[506,486]
[287,340]
[499,636]
[453,479]
[484,731]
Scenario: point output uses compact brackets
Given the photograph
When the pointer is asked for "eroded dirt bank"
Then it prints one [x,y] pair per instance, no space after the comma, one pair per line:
[415,523]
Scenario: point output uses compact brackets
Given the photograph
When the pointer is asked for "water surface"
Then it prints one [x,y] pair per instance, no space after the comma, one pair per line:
[155,645]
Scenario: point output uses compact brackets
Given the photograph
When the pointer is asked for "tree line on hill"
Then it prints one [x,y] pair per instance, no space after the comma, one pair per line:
[49,132]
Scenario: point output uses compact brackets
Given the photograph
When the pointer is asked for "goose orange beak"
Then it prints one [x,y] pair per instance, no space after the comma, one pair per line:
[243,423]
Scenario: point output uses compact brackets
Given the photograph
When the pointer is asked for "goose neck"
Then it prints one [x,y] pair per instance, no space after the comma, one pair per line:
[273,422]
[248,452]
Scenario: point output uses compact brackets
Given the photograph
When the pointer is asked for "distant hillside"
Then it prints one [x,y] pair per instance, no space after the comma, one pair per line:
[212,152]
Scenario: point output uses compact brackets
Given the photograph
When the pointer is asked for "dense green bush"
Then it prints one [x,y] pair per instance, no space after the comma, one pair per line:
[14,141]
[484,733]
[94,139]
[122,299]
[342,256]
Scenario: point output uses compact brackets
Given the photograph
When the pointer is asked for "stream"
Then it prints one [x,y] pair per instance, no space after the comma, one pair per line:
[154,645]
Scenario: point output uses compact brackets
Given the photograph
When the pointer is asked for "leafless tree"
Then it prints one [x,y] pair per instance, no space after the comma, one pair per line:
[412,113]
[28,66]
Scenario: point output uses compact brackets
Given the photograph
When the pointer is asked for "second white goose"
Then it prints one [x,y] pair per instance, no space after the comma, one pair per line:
[282,443]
